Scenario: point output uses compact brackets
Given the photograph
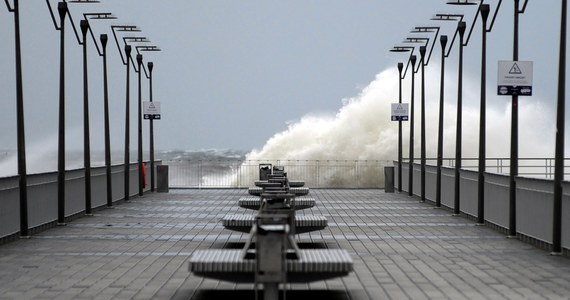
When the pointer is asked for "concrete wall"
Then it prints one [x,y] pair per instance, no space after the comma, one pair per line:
[534,200]
[42,195]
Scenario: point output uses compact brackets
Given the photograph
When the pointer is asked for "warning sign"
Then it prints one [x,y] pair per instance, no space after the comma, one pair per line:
[151,110]
[399,111]
[514,78]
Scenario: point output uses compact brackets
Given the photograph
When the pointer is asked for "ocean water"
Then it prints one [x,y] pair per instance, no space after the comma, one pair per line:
[38,161]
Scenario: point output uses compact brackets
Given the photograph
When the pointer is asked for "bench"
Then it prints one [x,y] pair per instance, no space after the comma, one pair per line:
[298,191]
[275,259]
[253,202]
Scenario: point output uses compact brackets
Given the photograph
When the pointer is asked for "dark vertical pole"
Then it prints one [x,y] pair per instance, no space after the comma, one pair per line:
[411,171]
[150,67]
[21,139]
[62,9]
[482,119]
[443,42]
[400,68]
[104,40]
[514,136]
[127,127]
[456,209]
[139,129]
[86,144]
[559,164]
[423,124]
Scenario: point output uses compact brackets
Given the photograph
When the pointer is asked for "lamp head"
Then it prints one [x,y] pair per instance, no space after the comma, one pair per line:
[443,41]
[461,26]
[462,2]
[62,9]
[150,66]
[104,38]
[84,24]
[447,17]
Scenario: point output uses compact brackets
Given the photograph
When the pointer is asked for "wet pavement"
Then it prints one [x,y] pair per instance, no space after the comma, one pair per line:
[402,249]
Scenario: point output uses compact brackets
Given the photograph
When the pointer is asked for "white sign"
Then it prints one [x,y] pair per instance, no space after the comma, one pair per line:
[514,78]
[399,111]
[151,110]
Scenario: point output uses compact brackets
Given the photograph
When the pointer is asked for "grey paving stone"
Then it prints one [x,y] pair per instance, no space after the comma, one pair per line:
[402,249]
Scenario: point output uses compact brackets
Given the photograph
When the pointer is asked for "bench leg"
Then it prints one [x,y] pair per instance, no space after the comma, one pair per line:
[270,291]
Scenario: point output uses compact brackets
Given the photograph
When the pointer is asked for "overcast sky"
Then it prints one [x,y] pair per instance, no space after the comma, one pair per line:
[234,73]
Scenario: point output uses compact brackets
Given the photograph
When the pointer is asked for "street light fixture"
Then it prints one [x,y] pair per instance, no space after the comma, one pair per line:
[559,156]
[126,61]
[151,129]
[20,124]
[444,55]
[412,60]
[85,28]
[63,10]
[424,62]
[514,170]
[103,53]
[483,10]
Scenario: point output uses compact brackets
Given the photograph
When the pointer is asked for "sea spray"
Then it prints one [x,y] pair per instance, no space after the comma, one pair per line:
[362,129]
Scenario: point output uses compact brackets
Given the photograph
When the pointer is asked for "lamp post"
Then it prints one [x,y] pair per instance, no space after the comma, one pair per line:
[20,128]
[63,11]
[482,118]
[139,131]
[444,55]
[151,127]
[443,43]
[484,10]
[461,26]
[86,143]
[559,156]
[104,38]
[424,62]
[126,62]
[151,133]
[85,28]
[140,112]
[411,170]
[127,165]
[514,161]
[400,67]
[423,124]
[401,76]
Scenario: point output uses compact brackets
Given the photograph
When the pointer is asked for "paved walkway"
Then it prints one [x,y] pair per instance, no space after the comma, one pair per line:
[402,249]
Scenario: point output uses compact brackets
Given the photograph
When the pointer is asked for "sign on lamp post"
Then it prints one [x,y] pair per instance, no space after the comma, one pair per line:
[514,78]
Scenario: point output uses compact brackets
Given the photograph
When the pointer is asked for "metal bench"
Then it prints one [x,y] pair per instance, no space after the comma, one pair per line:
[253,202]
[292,183]
[276,259]
[298,191]
[303,224]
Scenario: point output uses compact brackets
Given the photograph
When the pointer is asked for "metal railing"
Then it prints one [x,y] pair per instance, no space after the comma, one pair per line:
[242,174]
[528,167]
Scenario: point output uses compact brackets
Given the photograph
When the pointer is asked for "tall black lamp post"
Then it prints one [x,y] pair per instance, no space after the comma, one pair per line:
[126,62]
[559,156]
[85,28]
[514,170]
[139,130]
[484,10]
[424,61]
[150,66]
[20,128]
[62,10]
[400,78]
[444,55]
